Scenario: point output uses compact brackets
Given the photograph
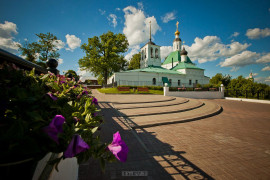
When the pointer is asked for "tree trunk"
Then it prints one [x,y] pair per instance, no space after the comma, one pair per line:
[105,76]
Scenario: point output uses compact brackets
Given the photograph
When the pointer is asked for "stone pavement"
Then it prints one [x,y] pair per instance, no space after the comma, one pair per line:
[234,144]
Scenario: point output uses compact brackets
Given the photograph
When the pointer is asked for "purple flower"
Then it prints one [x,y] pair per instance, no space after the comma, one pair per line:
[85,92]
[118,147]
[94,114]
[76,146]
[55,127]
[52,96]
[95,101]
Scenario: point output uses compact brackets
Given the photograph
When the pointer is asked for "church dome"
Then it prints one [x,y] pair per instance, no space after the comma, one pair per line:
[183,52]
[177,32]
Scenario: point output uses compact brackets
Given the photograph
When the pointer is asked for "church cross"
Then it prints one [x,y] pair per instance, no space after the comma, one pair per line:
[177,25]
[150,30]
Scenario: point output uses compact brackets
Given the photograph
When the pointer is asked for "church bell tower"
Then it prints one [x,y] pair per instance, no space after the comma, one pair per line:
[177,41]
[150,54]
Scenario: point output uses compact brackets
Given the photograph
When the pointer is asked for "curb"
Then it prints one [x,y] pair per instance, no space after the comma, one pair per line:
[248,100]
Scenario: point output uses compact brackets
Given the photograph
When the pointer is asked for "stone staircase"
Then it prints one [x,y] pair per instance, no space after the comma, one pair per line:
[165,110]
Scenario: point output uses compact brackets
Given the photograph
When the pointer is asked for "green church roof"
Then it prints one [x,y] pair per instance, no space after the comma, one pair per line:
[176,57]
[184,65]
[155,69]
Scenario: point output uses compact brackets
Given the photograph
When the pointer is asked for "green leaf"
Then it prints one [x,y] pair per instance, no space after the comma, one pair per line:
[94,129]
[45,76]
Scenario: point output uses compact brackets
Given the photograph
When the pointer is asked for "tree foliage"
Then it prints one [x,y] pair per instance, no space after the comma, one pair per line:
[103,54]
[219,79]
[41,51]
[135,61]
[237,84]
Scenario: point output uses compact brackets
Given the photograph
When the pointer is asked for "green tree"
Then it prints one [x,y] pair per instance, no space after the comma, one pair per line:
[219,79]
[74,74]
[135,61]
[41,51]
[103,54]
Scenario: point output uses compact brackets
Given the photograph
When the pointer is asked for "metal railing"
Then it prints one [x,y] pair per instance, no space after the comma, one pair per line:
[247,94]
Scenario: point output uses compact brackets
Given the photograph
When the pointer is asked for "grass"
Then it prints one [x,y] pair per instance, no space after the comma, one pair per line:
[115,91]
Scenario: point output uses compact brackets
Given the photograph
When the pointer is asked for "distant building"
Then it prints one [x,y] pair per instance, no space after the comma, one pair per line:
[177,70]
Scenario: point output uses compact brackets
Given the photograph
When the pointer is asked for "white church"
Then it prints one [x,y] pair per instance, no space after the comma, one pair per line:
[177,70]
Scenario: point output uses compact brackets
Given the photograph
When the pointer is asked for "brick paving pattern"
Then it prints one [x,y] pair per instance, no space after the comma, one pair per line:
[234,144]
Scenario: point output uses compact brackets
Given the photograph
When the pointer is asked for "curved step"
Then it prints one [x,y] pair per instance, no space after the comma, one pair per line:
[177,101]
[148,111]
[164,99]
[208,110]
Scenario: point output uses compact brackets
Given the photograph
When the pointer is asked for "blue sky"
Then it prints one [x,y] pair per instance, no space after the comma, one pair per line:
[229,37]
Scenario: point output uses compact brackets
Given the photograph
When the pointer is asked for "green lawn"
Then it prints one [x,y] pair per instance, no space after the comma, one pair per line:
[115,91]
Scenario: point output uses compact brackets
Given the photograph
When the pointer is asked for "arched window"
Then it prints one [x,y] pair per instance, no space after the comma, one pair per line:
[145,53]
[152,53]
[156,53]
[142,54]
[179,83]
[190,82]
[154,81]
[170,81]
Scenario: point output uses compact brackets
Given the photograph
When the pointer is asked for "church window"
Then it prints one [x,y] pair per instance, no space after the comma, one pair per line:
[190,82]
[154,81]
[196,81]
[142,55]
[179,82]
[151,52]
[170,81]
[145,53]
[156,53]
[177,46]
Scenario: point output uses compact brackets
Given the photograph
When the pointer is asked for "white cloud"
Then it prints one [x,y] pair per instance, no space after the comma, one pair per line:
[60,61]
[165,51]
[235,34]
[102,12]
[210,48]
[112,18]
[240,60]
[84,75]
[117,9]
[264,59]
[7,31]
[137,26]
[73,42]
[59,44]
[133,50]
[265,80]
[168,17]
[267,68]
[257,33]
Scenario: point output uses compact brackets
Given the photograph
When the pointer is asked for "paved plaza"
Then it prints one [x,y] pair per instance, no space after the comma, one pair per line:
[230,141]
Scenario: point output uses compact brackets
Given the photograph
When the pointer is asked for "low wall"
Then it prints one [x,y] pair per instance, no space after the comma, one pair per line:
[195,94]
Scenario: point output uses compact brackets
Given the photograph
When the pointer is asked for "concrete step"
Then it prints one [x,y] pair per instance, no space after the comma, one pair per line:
[174,102]
[148,111]
[209,109]
[136,99]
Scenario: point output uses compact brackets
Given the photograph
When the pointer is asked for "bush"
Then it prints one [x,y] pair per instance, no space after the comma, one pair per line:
[48,113]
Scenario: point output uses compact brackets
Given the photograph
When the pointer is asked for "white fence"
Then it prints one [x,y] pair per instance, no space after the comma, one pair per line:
[196,94]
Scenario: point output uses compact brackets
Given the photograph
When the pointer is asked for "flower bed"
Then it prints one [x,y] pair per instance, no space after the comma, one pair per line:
[48,113]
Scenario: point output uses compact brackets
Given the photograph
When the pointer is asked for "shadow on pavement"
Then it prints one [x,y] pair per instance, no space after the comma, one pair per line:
[148,157]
